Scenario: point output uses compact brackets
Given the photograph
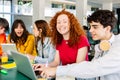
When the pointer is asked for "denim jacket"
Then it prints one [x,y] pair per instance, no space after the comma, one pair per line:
[48,51]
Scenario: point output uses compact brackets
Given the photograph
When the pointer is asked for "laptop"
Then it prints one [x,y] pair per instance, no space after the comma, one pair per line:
[7,47]
[24,65]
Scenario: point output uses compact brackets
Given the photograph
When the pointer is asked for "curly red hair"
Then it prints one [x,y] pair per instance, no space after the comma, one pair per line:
[76,30]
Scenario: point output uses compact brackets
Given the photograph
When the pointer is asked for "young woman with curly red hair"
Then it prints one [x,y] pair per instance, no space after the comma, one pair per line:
[69,38]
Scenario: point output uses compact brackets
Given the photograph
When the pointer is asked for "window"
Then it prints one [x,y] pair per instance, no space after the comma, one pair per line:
[70,7]
[24,7]
[57,5]
[5,10]
[94,8]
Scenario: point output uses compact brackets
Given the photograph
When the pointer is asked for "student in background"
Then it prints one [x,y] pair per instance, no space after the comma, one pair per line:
[106,62]
[69,38]
[24,41]
[45,49]
[4,26]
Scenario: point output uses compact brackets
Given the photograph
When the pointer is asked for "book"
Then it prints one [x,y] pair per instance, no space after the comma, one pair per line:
[9,65]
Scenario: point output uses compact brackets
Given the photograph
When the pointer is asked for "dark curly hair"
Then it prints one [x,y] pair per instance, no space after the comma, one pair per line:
[104,17]
[76,30]
[14,37]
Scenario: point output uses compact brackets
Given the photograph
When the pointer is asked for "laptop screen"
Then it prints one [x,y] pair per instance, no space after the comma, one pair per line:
[23,64]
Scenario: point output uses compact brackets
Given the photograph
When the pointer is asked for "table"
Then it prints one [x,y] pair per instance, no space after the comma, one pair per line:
[13,74]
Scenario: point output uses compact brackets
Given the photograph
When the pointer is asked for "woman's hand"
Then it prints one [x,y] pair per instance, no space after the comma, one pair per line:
[38,66]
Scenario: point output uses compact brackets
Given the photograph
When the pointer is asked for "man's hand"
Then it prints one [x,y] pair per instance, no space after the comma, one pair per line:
[49,72]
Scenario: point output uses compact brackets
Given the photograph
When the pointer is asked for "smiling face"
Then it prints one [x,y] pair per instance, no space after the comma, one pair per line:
[19,30]
[63,25]
[98,32]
